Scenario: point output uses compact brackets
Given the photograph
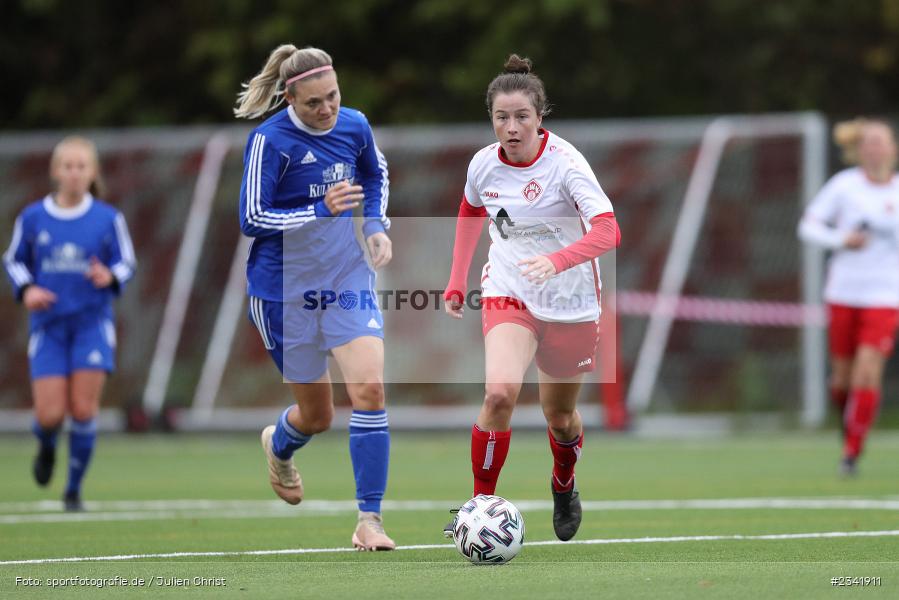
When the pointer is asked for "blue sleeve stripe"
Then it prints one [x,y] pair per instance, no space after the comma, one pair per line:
[385,183]
[17,270]
[255,215]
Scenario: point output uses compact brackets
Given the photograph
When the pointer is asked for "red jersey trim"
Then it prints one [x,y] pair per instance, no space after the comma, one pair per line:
[506,161]
[467,209]
[593,264]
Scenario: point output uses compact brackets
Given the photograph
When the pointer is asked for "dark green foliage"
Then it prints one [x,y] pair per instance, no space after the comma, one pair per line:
[105,63]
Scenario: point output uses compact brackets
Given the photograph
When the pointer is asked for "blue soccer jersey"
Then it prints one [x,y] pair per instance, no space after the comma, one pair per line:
[53,246]
[288,167]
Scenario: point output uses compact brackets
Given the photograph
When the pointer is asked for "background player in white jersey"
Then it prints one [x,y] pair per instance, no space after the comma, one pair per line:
[856,215]
[69,256]
[304,165]
[541,283]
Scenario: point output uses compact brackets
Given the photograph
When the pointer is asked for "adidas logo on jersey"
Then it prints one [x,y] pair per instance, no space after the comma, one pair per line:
[309,158]
[372,324]
[95,358]
[43,238]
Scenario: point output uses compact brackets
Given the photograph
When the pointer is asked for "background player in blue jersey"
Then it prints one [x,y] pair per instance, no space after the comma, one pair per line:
[311,292]
[70,255]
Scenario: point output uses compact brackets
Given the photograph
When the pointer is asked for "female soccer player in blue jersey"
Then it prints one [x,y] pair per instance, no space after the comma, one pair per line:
[311,292]
[70,255]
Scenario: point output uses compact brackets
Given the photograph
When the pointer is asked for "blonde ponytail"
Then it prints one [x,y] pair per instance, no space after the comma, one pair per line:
[847,135]
[266,90]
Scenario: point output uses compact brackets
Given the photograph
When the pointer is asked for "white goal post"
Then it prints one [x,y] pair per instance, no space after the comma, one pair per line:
[813,129]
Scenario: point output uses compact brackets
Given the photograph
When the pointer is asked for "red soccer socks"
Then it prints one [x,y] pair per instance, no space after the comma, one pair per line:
[488,453]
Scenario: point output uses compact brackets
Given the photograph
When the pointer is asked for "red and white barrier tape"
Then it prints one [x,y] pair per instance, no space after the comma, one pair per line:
[721,310]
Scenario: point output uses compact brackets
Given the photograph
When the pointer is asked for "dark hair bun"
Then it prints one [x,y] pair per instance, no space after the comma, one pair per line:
[517,64]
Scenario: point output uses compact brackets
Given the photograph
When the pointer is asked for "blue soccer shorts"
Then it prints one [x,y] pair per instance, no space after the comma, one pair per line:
[300,334]
[85,340]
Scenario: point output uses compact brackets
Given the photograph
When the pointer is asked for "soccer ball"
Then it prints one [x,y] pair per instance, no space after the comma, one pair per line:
[488,530]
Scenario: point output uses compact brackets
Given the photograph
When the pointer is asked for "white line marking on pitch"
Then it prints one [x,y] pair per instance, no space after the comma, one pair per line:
[46,511]
[643,540]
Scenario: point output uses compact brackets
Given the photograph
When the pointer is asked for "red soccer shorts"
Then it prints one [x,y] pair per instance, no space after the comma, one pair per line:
[851,327]
[563,349]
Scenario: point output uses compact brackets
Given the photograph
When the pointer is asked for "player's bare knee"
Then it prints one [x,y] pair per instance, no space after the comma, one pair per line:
[560,422]
[866,378]
[499,399]
[83,411]
[839,380]
[50,419]
[317,421]
[368,395]
[318,425]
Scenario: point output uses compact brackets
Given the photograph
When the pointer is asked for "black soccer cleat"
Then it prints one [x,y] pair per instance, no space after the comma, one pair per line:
[848,466]
[42,467]
[449,528]
[72,502]
[566,512]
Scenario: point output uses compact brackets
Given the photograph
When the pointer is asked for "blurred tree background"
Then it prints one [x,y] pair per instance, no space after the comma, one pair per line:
[70,63]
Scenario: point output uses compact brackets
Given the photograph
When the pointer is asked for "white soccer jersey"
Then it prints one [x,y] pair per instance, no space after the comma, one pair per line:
[537,209]
[869,276]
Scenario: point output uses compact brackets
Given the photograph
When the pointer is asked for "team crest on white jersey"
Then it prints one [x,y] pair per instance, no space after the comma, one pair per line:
[338,172]
[43,238]
[309,158]
[532,190]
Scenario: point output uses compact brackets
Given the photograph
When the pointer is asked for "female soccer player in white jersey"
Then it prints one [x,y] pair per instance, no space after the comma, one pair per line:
[70,255]
[549,220]
[856,215]
[311,291]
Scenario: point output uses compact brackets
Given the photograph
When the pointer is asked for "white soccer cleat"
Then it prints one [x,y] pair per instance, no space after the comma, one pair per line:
[369,534]
[282,474]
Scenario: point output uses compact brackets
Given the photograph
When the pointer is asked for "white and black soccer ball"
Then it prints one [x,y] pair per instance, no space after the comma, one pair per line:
[488,530]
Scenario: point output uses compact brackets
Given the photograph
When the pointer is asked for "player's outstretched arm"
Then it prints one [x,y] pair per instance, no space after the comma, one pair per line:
[604,235]
[469,224]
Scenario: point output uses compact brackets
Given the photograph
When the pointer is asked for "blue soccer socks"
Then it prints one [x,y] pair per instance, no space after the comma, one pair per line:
[46,437]
[370,453]
[287,439]
[82,438]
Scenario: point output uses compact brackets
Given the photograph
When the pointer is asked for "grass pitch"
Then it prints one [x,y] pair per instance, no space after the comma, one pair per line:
[193,516]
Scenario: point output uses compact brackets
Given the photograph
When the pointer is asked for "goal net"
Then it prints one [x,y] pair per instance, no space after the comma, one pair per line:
[710,306]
